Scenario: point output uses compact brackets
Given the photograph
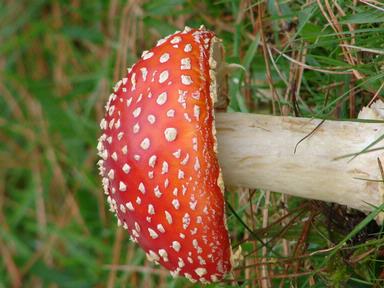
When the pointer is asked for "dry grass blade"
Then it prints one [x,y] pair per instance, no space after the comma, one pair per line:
[327,71]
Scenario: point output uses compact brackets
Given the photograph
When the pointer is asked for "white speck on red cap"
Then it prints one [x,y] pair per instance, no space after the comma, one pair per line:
[152,161]
[164,168]
[171,113]
[151,119]
[201,271]
[168,216]
[153,233]
[162,98]
[103,124]
[122,186]
[163,254]
[129,101]
[146,55]
[180,263]
[122,208]
[136,157]
[160,227]
[164,58]
[145,144]
[177,153]
[188,48]
[186,220]
[136,112]
[114,156]
[170,134]
[176,246]
[141,188]
[152,256]
[185,64]
[130,206]
[144,73]
[157,192]
[136,128]
[126,168]
[151,209]
[111,174]
[176,204]
[163,76]
[186,80]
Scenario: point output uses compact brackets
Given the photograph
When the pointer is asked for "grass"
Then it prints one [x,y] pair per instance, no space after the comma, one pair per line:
[58,63]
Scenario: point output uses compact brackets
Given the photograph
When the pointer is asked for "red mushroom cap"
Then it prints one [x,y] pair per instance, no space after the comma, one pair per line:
[159,164]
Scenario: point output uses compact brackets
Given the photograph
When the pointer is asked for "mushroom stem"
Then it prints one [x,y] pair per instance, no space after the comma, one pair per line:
[305,157]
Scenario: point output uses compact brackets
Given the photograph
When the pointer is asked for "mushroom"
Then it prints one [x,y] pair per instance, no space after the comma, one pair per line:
[159,163]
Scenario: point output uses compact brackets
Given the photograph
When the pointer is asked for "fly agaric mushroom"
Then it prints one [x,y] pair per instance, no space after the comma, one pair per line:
[159,163]
[160,169]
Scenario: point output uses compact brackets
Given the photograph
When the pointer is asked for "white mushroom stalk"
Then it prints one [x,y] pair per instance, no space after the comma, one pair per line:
[304,157]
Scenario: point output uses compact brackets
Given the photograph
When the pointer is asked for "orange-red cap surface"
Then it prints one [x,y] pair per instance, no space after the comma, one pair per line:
[159,164]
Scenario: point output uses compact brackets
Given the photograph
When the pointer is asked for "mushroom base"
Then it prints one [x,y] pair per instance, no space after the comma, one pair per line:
[304,157]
